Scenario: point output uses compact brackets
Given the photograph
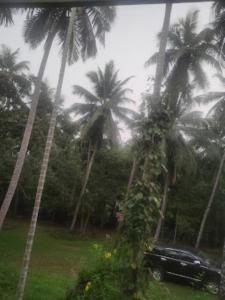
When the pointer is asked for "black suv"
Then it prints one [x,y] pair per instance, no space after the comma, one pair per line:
[181,263]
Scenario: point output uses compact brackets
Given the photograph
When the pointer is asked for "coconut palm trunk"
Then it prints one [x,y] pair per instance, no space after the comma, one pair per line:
[222,282]
[163,209]
[44,166]
[162,52]
[131,177]
[175,229]
[85,225]
[86,178]
[212,196]
[27,133]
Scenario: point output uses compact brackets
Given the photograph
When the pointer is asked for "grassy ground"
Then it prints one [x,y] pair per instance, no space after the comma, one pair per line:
[56,259]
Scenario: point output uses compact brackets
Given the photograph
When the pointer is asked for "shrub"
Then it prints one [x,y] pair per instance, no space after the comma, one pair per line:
[100,283]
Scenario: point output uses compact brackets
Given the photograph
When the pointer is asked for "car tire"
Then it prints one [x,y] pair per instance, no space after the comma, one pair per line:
[157,274]
[212,287]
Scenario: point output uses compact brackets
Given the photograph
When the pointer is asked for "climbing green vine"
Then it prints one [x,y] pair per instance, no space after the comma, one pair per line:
[124,275]
[140,206]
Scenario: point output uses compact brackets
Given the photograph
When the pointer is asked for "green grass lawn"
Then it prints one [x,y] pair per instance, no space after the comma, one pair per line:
[56,259]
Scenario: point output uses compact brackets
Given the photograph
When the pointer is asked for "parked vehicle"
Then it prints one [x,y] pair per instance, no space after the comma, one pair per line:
[189,265]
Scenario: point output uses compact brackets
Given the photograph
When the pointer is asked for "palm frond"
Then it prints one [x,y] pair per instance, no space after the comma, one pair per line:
[209,97]
[200,77]
[6,16]
[82,108]
[82,92]
[38,24]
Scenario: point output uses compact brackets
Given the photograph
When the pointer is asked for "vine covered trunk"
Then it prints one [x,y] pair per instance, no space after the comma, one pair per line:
[162,210]
[132,173]
[144,196]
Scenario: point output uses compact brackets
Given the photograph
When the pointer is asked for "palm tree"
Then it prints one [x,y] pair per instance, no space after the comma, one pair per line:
[187,51]
[98,113]
[44,166]
[183,61]
[216,114]
[219,27]
[6,16]
[162,53]
[219,22]
[37,27]
[14,83]
[95,25]
[41,24]
[179,155]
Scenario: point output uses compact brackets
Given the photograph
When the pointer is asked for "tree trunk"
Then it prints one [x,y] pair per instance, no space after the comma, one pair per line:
[16,204]
[212,196]
[162,210]
[86,178]
[81,219]
[27,133]
[175,230]
[131,177]
[222,282]
[84,229]
[44,167]
[161,57]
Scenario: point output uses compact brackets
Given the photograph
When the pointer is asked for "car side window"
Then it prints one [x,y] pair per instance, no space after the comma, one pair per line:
[187,257]
[172,253]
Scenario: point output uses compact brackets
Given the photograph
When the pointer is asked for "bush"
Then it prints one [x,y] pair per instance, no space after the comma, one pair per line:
[101,283]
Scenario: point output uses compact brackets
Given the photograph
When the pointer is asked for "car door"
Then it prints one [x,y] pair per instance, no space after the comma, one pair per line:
[191,266]
[173,263]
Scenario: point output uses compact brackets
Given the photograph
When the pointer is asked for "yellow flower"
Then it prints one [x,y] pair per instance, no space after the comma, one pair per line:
[87,286]
[108,255]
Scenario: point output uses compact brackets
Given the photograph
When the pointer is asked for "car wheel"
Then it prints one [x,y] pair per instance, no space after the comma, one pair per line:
[212,287]
[157,274]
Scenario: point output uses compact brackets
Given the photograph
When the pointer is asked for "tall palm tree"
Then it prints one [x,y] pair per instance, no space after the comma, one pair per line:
[44,166]
[38,26]
[14,82]
[219,27]
[89,24]
[81,38]
[216,114]
[183,61]
[219,22]
[179,155]
[187,51]
[162,53]
[98,114]
[87,47]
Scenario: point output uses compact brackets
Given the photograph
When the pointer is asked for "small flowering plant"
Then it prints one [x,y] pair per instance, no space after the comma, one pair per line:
[101,281]
[88,286]
[108,255]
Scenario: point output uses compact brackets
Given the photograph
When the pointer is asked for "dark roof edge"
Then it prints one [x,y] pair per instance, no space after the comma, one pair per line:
[73,3]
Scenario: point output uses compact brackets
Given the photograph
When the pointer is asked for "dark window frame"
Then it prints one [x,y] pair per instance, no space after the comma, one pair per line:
[73,3]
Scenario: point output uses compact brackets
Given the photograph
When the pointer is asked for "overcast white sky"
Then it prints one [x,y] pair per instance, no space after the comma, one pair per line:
[130,43]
